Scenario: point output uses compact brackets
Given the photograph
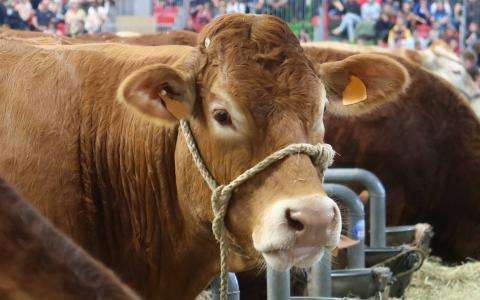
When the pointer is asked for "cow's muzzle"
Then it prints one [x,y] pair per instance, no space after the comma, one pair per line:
[295,232]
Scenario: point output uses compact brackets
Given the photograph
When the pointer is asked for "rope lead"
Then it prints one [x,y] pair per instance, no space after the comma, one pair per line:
[320,154]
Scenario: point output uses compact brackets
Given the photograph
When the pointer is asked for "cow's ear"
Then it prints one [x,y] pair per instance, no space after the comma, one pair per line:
[362,82]
[159,92]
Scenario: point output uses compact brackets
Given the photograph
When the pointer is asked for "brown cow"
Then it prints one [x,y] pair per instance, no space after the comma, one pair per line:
[38,262]
[174,37]
[35,37]
[425,148]
[123,184]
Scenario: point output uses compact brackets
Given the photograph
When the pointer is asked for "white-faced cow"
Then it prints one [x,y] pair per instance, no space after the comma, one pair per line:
[90,134]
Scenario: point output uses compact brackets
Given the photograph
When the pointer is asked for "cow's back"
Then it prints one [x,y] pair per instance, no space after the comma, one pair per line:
[51,98]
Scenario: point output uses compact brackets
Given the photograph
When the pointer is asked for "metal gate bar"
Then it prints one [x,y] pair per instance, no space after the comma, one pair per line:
[377,198]
[356,222]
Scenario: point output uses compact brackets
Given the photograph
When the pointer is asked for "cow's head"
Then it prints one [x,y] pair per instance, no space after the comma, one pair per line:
[247,91]
[440,60]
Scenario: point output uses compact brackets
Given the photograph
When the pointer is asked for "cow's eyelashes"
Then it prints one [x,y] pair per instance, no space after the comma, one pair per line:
[222,117]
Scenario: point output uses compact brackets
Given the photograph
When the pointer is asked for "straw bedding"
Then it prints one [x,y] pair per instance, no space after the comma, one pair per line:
[437,281]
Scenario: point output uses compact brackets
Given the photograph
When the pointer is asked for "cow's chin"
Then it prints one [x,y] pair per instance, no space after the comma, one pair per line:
[302,257]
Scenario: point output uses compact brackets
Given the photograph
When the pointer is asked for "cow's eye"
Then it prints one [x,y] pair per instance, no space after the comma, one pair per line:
[222,117]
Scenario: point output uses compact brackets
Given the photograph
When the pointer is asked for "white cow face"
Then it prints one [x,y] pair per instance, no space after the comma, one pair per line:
[447,65]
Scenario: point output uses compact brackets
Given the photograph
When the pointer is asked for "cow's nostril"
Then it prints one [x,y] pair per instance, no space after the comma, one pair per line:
[295,224]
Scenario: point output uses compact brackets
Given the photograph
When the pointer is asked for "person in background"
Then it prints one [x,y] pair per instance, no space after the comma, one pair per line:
[411,19]
[390,11]
[110,16]
[234,6]
[14,21]
[391,7]
[256,7]
[42,18]
[93,21]
[400,36]
[476,49]
[445,6]
[422,36]
[278,8]
[3,13]
[440,15]
[351,18]
[421,10]
[451,36]
[370,11]
[75,20]
[472,35]
[382,28]
[35,3]
[456,19]
[204,15]
[303,36]
[469,58]
[62,10]
[434,33]
[25,11]
[220,9]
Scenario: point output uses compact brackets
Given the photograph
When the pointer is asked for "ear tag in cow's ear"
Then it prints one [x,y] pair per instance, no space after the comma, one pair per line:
[178,109]
[354,92]
[207,42]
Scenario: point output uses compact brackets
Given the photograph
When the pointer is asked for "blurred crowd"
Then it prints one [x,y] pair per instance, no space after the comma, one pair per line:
[410,24]
[405,24]
[394,23]
[61,17]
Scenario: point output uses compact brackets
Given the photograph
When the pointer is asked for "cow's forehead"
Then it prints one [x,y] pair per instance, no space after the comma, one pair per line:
[264,95]
[261,64]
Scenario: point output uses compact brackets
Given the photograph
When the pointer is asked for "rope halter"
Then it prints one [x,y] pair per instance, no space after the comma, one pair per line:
[320,154]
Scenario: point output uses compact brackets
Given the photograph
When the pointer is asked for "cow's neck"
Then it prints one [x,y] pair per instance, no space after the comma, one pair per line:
[129,175]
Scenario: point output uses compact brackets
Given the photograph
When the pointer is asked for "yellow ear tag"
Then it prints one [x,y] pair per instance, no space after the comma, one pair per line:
[178,109]
[354,92]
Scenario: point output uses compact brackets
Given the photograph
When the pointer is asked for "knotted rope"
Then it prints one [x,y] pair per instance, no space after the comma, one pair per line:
[320,154]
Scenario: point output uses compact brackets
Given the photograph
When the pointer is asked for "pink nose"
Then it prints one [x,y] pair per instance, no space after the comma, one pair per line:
[312,223]
[299,220]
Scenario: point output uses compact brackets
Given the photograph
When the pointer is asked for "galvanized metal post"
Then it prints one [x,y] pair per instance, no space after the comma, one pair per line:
[321,276]
[356,222]
[278,284]
[233,292]
[463,25]
[377,198]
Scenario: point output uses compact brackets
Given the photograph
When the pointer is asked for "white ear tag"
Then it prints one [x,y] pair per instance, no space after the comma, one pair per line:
[207,42]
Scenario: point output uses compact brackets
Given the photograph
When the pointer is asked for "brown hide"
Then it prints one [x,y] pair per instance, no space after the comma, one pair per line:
[174,37]
[125,188]
[39,262]
[84,159]
[426,150]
